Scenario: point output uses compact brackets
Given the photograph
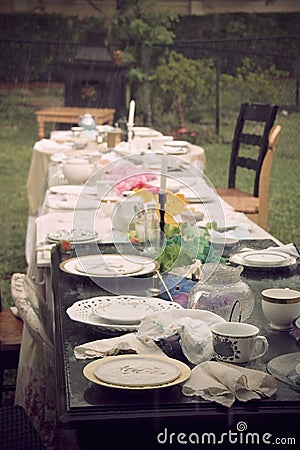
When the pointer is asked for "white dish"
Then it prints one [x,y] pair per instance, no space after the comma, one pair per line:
[61,135]
[104,128]
[145,132]
[73,203]
[107,266]
[259,259]
[298,369]
[145,265]
[269,259]
[83,311]
[73,189]
[75,236]
[129,310]
[138,381]
[177,144]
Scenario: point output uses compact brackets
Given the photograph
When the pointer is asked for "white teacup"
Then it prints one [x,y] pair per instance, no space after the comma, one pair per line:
[236,342]
[281,306]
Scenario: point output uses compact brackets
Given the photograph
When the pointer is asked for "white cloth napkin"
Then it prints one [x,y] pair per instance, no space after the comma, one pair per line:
[225,383]
[289,249]
[192,326]
[52,146]
[114,346]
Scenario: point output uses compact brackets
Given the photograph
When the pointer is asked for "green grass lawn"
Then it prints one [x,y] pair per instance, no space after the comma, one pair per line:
[18,132]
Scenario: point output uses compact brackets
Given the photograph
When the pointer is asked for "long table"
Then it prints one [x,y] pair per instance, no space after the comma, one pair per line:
[95,411]
[142,419]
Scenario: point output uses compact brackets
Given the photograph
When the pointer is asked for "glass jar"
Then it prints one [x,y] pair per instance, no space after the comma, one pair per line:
[222,291]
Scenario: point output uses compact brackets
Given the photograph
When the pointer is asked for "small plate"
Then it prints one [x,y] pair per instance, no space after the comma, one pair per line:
[137,371]
[283,368]
[130,311]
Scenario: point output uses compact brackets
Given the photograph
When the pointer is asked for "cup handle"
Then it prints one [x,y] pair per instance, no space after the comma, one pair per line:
[263,342]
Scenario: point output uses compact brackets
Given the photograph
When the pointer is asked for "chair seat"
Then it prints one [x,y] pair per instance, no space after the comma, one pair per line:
[11,328]
[239,200]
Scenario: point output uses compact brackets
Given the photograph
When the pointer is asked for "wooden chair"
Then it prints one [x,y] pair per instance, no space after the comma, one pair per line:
[11,328]
[256,207]
[248,150]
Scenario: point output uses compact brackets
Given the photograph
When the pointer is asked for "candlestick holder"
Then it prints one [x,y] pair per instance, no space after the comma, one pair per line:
[130,131]
[162,198]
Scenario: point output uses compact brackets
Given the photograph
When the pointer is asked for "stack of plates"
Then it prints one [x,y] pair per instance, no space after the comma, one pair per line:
[263,259]
[176,147]
[117,313]
[137,371]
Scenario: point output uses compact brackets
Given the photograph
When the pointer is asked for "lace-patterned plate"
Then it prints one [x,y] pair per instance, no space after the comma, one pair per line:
[84,310]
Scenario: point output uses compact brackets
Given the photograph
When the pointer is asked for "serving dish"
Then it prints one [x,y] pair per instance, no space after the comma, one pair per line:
[137,372]
[84,310]
[109,265]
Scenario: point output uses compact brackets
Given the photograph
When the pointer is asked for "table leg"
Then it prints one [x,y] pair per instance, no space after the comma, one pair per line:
[41,127]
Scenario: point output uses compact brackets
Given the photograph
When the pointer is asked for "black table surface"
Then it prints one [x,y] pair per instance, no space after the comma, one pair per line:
[86,406]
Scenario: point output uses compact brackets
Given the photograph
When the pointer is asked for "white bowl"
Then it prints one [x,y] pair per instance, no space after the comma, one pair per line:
[281,306]
[77,170]
[223,244]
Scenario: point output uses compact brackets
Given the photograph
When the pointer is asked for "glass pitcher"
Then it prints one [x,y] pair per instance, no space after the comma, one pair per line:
[222,291]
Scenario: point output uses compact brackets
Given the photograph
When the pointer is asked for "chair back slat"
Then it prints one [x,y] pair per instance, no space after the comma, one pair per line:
[258,115]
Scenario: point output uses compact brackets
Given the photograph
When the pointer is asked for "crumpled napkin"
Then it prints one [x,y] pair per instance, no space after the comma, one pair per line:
[114,346]
[225,383]
[290,249]
[50,144]
[192,326]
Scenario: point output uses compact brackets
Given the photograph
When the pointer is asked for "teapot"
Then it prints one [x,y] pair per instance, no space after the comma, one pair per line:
[87,121]
[220,289]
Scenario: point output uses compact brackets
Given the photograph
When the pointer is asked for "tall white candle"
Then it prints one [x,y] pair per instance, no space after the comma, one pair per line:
[131,113]
[164,170]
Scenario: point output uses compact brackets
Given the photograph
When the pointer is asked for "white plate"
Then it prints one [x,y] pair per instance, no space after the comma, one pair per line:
[145,132]
[128,311]
[298,369]
[75,236]
[146,265]
[72,203]
[107,265]
[83,311]
[269,259]
[73,189]
[177,144]
[161,367]
[133,371]
[61,135]
[259,259]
